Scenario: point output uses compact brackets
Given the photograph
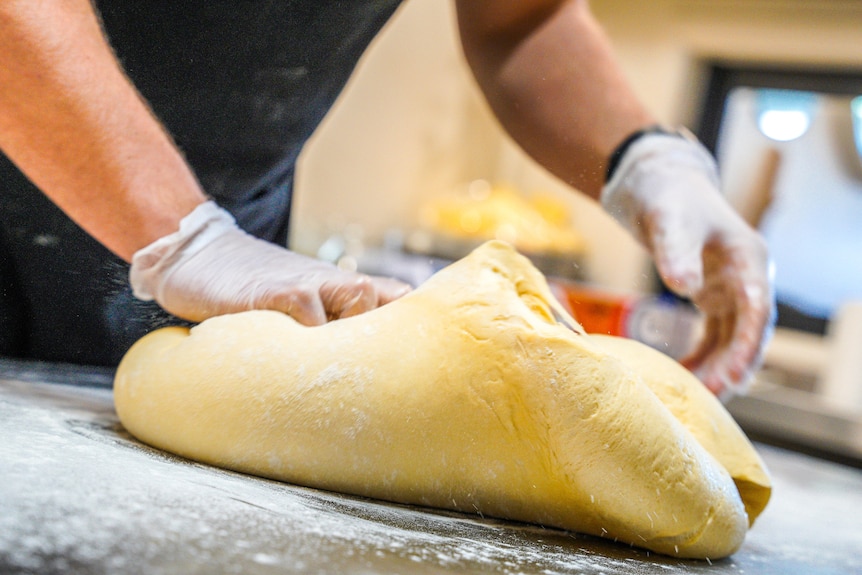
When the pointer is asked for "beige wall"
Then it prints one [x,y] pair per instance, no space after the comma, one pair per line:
[411,123]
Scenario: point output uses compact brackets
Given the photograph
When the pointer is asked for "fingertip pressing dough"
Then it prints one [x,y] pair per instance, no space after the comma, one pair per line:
[465,394]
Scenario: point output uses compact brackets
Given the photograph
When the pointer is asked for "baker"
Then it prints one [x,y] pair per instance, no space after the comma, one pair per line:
[150,148]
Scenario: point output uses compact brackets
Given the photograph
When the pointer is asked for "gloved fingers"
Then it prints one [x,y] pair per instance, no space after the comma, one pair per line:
[354,294]
[389,289]
[300,302]
[679,258]
[716,377]
[347,294]
[708,343]
[677,249]
[732,367]
[680,267]
[709,360]
[739,308]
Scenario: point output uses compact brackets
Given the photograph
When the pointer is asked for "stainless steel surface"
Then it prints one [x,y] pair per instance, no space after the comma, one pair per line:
[78,495]
[800,418]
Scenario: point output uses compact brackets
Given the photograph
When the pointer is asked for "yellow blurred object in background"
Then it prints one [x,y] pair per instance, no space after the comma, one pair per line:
[538,224]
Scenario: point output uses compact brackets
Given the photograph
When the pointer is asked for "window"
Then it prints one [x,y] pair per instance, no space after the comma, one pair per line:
[789,147]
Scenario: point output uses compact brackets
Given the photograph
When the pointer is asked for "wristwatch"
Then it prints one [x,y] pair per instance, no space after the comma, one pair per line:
[620,150]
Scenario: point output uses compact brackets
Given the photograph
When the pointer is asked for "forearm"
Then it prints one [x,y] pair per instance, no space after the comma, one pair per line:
[550,76]
[74,124]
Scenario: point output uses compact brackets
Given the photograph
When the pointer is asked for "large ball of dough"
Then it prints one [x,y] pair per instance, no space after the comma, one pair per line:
[466,394]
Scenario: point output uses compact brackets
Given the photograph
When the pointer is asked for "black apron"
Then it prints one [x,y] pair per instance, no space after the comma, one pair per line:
[240,85]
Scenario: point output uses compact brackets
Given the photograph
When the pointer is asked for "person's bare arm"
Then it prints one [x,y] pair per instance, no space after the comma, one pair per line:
[548,71]
[75,125]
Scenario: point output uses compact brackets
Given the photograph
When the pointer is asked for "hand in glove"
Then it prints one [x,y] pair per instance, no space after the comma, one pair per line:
[211,267]
[665,192]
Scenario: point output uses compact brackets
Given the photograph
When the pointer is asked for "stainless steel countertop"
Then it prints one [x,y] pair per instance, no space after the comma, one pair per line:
[802,420]
[79,495]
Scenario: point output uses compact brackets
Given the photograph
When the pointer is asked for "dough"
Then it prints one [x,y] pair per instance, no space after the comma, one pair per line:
[466,394]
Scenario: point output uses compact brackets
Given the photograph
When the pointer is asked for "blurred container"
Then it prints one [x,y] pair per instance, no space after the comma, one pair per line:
[662,322]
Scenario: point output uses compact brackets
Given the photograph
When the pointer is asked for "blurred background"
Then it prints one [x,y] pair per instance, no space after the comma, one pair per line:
[410,170]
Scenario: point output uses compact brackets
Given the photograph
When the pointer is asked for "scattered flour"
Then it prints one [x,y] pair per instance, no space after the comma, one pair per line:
[77,494]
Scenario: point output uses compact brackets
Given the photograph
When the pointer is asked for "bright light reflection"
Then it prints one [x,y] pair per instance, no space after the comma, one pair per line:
[783,125]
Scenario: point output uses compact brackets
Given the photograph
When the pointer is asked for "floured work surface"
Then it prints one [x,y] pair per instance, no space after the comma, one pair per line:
[78,495]
[474,393]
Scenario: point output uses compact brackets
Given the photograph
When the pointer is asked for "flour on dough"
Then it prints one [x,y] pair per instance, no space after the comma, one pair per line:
[466,394]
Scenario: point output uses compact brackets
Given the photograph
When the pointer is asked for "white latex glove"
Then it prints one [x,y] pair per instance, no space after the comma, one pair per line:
[211,267]
[665,191]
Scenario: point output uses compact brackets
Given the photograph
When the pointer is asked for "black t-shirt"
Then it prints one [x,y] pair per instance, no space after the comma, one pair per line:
[242,84]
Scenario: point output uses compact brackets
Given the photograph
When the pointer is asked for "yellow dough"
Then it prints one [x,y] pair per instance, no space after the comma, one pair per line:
[466,394]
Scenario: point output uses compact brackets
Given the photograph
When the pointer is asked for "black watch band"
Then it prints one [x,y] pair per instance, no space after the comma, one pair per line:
[619,152]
